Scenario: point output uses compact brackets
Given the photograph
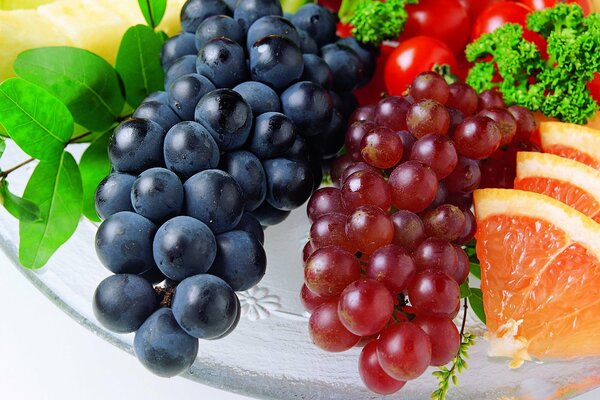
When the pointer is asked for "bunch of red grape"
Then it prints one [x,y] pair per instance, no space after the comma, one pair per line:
[384,261]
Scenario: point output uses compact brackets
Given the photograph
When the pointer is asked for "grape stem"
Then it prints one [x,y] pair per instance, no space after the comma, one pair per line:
[464,320]
[4,174]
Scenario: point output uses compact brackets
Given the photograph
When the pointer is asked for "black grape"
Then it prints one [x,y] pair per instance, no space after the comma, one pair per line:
[189,148]
[309,106]
[157,194]
[157,112]
[182,66]
[248,11]
[259,96]
[218,26]
[136,145]
[346,66]
[124,243]
[196,11]
[176,47]
[241,260]
[185,93]
[289,183]
[272,25]
[123,302]
[114,194]
[163,347]
[248,172]
[316,70]
[272,135]
[251,224]
[317,21]
[269,215]
[223,62]
[276,61]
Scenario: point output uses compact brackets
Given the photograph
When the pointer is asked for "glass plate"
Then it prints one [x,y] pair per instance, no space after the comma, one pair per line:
[270,355]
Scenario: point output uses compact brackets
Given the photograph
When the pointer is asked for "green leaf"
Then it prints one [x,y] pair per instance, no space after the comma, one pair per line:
[94,166]
[476,302]
[85,82]
[138,63]
[465,290]
[19,208]
[476,270]
[37,121]
[56,188]
[2,146]
[347,9]
[153,10]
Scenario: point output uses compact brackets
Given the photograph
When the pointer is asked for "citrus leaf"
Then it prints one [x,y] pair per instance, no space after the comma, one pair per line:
[476,270]
[19,208]
[55,187]
[94,166]
[465,290]
[138,63]
[153,10]
[476,302]
[2,146]
[83,81]
[38,122]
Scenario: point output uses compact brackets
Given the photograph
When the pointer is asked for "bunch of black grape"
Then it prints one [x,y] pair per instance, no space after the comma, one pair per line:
[252,105]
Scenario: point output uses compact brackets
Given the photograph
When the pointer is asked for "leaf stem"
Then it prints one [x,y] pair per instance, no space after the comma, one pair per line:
[150,16]
[4,174]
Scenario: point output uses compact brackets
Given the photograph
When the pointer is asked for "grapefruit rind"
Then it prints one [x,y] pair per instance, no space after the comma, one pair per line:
[578,227]
[504,339]
[582,139]
[570,172]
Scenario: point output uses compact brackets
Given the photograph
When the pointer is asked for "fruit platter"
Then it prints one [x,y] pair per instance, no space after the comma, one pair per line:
[321,200]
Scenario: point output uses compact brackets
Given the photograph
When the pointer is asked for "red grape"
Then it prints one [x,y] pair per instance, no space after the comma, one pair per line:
[463,267]
[445,222]
[436,253]
[330,230]
[355,167]
[371,373]
[427,116]
[497,173]
[409,230]
[364,113]
[469,230]
[465,177]
[325,200]
[440,196]
[490,99]
[456,118]
[381,147]
[366,187]
[326,330]
[391,112]
[505,121]
[369,228]
[365,307]
[307,250]
[311,300]
[329,270]
[462,200]
[404,351]
[393,266]
[413,186]
[436,151]
[408,140]
[444,336]
[463,98]
[354,136]
[434,292]
[338,166]
[429,85]
[526,125]
[477,137]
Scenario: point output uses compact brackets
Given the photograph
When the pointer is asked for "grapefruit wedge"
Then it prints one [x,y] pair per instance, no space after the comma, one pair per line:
[540,276]
[571,182]
[577,142]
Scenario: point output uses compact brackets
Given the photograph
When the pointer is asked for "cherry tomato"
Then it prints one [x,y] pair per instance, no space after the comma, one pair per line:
[344,30]
[333,5]
[424,19]
[541,4]
[594,87]
[476,7]
[413,56]
[505,12]
[372,92]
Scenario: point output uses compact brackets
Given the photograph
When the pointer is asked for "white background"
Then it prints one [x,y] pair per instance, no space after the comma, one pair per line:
[44,355]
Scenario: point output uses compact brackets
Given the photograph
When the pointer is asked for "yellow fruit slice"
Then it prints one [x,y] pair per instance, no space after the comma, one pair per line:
[95,25]
[571,182]
[540,276]
[577,142]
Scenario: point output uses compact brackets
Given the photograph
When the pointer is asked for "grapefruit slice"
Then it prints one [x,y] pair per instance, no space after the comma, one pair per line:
[577,142]
[571,182]
[540,276]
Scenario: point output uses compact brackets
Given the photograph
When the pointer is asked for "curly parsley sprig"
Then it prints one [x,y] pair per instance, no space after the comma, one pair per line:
[556,86]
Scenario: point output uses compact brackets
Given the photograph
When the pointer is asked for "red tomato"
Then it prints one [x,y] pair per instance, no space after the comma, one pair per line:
[594,87]
[505,12]
[424,19]
[541,4]
[372,92]
[476,7]
[344,30]
[413,56]
[333,5]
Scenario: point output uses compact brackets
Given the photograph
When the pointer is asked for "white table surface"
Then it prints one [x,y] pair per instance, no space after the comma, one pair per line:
[45,355]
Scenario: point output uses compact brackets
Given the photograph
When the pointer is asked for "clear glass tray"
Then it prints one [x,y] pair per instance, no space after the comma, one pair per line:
[270,355]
